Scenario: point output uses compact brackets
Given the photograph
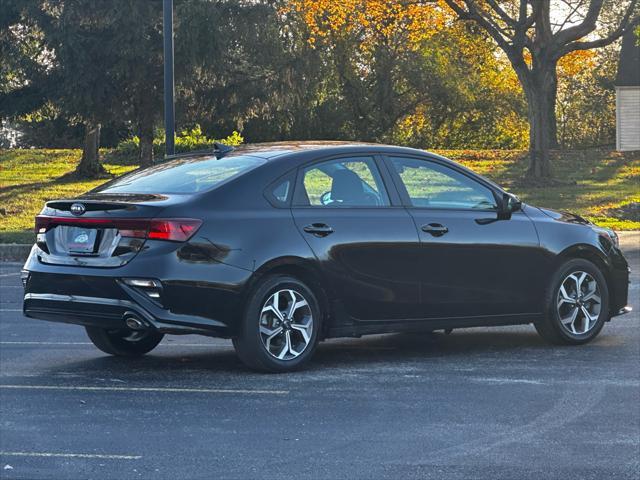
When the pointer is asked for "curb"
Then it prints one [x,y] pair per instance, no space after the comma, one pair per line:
[14,252]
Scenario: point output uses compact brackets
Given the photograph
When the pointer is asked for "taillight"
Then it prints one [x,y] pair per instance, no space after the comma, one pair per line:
[171,229]
[177,230]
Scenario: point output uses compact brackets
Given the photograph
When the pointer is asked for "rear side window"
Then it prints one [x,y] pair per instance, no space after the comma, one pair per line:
[344,182]
[189,175]
[279,192]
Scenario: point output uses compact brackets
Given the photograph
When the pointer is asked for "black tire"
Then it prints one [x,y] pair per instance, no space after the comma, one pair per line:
[550,327]
[116,342]
[249,344]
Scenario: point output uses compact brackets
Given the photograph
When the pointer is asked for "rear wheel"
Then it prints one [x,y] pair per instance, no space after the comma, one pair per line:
[124,342]
[280,326]
[577,304]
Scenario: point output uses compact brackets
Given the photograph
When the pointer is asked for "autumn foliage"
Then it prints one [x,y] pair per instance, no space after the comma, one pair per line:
[423,73]
[373,21]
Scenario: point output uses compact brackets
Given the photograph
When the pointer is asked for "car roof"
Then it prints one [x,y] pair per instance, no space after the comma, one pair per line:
[290,153]
[275,150]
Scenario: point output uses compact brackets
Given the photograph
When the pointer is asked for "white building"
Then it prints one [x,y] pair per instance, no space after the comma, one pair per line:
[628,95]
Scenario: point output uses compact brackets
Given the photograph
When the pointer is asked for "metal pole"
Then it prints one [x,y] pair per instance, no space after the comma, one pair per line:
[169,115]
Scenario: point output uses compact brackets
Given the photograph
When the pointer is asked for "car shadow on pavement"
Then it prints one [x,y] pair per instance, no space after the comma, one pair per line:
[378,350]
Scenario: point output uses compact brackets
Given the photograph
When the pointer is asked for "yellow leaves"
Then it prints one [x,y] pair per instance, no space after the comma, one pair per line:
[574,63]
[577,62]
[372,21]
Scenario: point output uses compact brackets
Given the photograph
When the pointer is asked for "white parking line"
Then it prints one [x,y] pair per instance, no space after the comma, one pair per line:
[70,455]
[9,274]
[10,309]
[502,381]
[89,343]
[145,389]
[46,343]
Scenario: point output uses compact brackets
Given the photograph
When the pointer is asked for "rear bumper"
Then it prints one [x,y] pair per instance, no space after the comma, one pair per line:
[111,313]
[195,298]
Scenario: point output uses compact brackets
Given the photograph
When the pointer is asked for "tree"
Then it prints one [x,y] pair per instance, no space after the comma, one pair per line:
[109,57]
[91,62]
[138,69]
[468,97]
[586,105]
[406,72]
[374,48]
[24,63]
[78,32]
[248,72]
[534,42]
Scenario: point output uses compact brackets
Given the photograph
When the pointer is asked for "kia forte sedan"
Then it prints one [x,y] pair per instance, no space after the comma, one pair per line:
[279,246]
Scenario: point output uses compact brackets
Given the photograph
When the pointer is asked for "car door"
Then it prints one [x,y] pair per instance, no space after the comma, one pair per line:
[363,238]
[474,261]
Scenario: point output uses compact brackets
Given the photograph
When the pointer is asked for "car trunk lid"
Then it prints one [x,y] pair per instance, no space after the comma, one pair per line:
[106,230]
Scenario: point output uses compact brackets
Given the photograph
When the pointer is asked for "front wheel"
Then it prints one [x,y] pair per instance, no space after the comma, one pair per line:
[280,326]
[124,342]
[577,304]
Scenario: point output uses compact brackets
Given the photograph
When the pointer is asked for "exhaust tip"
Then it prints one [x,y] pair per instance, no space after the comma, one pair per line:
[134,323]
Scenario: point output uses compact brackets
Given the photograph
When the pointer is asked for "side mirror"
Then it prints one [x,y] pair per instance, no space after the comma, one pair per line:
[510,203]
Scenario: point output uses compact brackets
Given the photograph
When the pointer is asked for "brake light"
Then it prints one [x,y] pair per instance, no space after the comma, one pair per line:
[179,230]
[171,229]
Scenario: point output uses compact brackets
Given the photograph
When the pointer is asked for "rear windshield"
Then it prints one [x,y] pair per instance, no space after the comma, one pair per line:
[187,175]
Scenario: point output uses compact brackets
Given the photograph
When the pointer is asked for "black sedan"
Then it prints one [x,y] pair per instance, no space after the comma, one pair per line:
[278,246]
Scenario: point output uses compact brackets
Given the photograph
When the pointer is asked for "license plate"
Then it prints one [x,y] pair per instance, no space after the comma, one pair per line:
[81,240]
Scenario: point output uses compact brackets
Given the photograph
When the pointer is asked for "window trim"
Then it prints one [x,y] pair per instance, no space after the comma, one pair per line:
[390,190]
[404,194]
[268,191]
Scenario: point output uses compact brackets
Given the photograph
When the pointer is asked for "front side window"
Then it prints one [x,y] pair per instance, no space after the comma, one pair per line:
[432,185]
[344,182]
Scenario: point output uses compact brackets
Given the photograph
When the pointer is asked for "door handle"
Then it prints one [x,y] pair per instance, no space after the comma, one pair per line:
[435,229]
[319,229]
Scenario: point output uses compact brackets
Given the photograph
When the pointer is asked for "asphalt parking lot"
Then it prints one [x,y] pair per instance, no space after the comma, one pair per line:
[479,403]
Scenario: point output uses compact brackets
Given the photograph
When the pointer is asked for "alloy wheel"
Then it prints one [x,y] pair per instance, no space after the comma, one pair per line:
[579,302]
[286,324]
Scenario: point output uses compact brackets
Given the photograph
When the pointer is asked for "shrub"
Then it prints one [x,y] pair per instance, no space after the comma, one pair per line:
[186,141]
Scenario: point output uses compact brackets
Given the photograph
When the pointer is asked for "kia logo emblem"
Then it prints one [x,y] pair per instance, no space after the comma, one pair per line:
[78,209]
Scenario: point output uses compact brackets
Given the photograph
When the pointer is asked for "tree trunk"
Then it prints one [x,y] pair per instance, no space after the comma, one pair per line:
[352,91]
[552,99]
[541,89]
[89,166]
[386,102]
[146,143]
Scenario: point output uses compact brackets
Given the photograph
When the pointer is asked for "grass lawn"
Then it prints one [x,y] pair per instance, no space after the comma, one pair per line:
[29,178]
[605,182]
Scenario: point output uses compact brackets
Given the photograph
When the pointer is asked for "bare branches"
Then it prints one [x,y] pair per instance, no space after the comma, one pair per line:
[501,13]
[513,34]
[629,21]
[473,12]
[602,42]
[585,27]
[574,7]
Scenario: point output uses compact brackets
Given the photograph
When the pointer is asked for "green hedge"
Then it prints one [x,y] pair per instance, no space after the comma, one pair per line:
[186,141]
